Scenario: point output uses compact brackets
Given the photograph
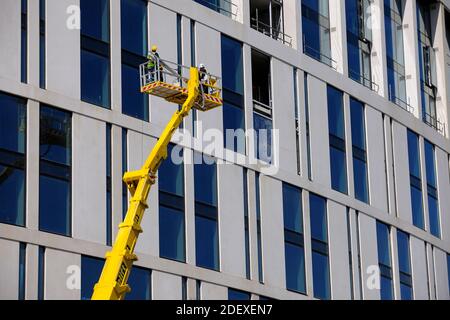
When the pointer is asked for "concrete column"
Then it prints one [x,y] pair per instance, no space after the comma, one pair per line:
[32,161]
[116,57]
[379,60]
[411,43]
[189,199]
[33,43]
[348,146]
[338,29]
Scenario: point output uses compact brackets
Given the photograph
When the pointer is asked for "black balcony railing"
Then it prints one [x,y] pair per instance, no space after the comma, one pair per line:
[270,31]
[434,122]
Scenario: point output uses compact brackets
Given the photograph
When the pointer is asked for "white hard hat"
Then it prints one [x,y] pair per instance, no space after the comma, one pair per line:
[202,65]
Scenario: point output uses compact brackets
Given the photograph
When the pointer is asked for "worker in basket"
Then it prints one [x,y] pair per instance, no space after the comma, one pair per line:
[204,78]
[154,68]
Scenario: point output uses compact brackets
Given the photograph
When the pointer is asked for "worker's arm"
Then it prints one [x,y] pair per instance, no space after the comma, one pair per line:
[113,280]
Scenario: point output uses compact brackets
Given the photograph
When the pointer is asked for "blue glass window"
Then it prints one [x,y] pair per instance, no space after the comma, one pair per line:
[263,141]
[359,150]
[22,266]
[448,270]
[41,273]
[233,94]
[427,64]
[12,159]
[433,205]
[415,179]
[55,171]
[42,47]
[393,12]
[134,51]
[171,207]
[404,265]
[206,215]
[337,140]
[95,53]
[134,26]
[384,261]
[234,294]
[91,269]
[293,239]
[359,41]
[316,30]
[320,253]
[95,19]
[24,42]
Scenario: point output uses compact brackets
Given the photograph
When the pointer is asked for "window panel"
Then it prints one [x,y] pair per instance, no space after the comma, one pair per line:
[318,213]
[134,103]
[134,26]
[358,124]
[232,65]
[95,19]
[403,252]
[91,269]
[360,181]
[54,205]
[338,170]
[295,268]
[206,243]
[171,233]
[55,135]
[12,123]
[417,211]
[95,79]
[171,173]
[321,280]
[234,294]
[12,195]
[335,112]
[206,182]
[263,140]
[386,288]
[292,208]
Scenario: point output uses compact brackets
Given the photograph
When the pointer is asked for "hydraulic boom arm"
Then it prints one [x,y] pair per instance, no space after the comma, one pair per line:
[113,280]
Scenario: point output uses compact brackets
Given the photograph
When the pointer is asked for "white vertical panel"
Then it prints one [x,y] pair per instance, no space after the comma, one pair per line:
[339,251]
[443,188]
[375,159]
[272,236]
[9,270]
[231,219]
[89,179]
[401,171]
[56,275]
[318,124]
[284,116]
[166,286]
[441,274]
[208,52]
[211,291]
[419,269]
[63,55]
[139,147]
[369,255]
[10,39]
[163,19]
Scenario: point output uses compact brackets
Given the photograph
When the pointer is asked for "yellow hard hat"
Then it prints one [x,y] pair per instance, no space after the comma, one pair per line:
[154,48]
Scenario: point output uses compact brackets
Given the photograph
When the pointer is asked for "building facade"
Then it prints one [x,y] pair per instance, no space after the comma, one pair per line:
[344,193]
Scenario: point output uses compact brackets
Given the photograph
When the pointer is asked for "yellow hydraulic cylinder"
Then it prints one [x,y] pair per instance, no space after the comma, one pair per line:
[119,261]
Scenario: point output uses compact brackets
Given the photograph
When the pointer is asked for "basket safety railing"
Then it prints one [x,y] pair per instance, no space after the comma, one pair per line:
[164,71]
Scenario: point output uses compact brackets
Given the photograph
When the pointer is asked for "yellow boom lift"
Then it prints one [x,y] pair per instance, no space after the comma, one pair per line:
[162,79]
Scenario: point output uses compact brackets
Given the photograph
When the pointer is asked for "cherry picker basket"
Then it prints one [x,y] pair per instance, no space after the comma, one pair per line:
[168,80]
